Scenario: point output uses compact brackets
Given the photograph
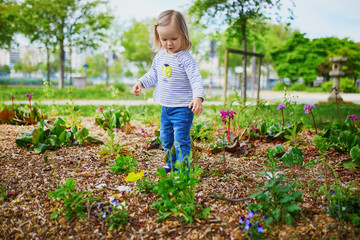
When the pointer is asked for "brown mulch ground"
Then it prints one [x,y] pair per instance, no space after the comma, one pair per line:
[26,213]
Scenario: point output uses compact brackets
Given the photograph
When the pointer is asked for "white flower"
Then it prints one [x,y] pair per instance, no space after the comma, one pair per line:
[269,175]
[124,188]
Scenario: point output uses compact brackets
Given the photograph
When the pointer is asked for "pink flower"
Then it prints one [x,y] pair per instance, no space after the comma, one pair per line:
[101,109]
[11,98]
[353,117]
[227,114]
[29,96]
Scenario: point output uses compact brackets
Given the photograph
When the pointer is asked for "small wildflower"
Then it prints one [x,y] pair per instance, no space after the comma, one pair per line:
[11,98]
[29,96]
[308,108]
[247,227]
[104,215]
[98,206]
[281,106]
[250,214]
[353,117]
[101,109]
[247,221]
[241,220]
[260,229]
[110,209]
[265,217]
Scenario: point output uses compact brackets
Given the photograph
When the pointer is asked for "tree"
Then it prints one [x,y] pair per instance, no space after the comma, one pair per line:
[74,23]
[97,65]
[237,15]
[307,59]
[137,44]
[37,26]
[8,22]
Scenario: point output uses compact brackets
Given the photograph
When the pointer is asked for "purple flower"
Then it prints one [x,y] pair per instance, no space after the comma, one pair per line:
[260,229]
[281,106]
[143,131]
[11,98]
[265,217]
[336,90]
[250,214]
[98,206]
[104,215]
[29,96]
[110,209]
[353,117]
[101,109]
[308,108]
[247,221]
[252,127]
[247,227]
[241,220]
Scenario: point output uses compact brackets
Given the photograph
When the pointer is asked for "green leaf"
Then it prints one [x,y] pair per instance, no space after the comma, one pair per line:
[54,215]
[81,135]
[41,147]
[288,219]
[73,129]
[23,141]
[94,139]
[293,207]
[355,153]
[276,213]
[279,148]
[286,199]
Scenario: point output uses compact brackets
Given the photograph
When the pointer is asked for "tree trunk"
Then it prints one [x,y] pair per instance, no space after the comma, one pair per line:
[62,64]
[244,63]
[48,62]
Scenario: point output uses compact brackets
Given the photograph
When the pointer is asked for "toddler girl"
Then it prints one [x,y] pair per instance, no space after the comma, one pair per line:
[179,87]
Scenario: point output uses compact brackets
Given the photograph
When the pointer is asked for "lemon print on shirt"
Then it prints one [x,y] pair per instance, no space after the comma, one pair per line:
[166,70]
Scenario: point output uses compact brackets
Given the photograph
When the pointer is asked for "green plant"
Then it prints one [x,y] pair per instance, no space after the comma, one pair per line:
[293,157]
[322,146]
[176,193]
[276,200]
[114,215]
[343,202]
[73,116]
[279,86]
[42,138]
[342,136]
[3,193]
[124,164]
[74,202]
[145,185]
[112,118]
[201,132]
[354,162]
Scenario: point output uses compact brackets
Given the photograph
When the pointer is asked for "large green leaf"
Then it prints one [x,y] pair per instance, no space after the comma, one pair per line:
[40,147]
[81,135]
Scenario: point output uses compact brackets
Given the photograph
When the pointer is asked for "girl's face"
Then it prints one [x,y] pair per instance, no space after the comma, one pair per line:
[170,37]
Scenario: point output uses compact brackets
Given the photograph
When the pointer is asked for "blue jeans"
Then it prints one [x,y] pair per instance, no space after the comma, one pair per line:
[175,124]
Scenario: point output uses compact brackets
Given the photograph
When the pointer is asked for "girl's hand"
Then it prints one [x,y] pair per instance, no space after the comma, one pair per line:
[196,105]
[137,88]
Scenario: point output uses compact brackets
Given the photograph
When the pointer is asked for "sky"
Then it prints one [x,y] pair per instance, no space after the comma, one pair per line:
[316,18]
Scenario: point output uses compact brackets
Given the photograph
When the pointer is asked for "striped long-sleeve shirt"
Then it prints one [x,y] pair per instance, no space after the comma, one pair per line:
[177,78]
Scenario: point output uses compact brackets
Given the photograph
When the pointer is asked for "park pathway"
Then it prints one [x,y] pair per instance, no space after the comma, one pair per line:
[271,96]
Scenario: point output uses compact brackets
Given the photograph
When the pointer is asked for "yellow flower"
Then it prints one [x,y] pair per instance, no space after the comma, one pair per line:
[132,177]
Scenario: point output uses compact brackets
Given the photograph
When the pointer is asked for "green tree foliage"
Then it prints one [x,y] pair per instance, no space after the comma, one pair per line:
[8,22]
[303,58]
[72,23]
[97,65]
[137,44]
[237,15]
[5,69]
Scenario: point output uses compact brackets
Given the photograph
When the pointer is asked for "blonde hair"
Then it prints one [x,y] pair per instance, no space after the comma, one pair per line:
[163,20]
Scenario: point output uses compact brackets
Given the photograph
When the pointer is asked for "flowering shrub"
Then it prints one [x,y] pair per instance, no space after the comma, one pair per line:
[226,118]
[307,109]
